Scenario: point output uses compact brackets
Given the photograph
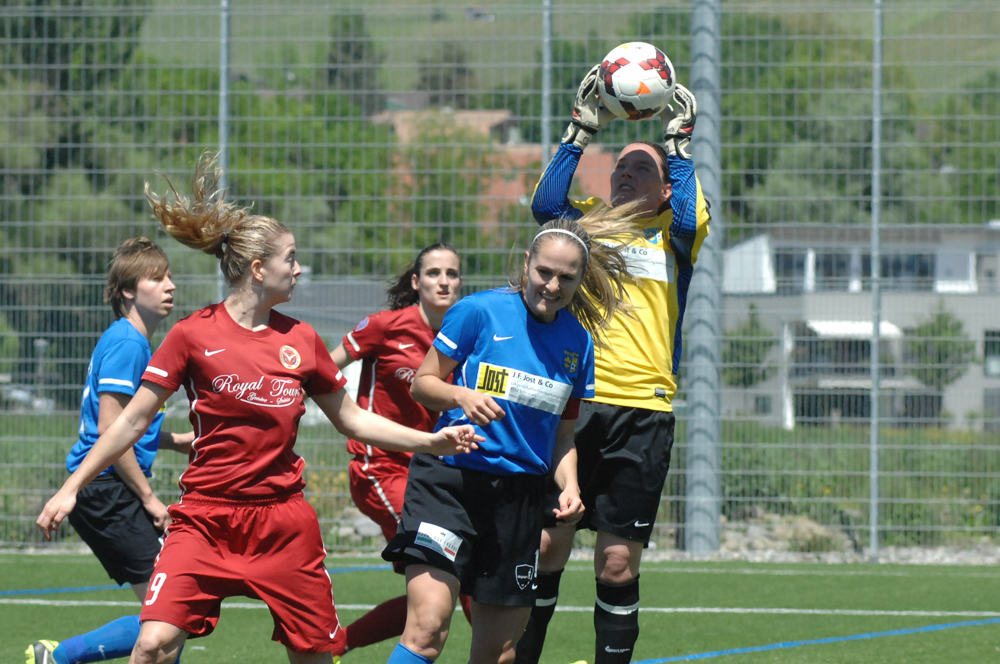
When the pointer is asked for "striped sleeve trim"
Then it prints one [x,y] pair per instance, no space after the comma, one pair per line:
[159,372]
[115,381]
[357,347]
[447,342]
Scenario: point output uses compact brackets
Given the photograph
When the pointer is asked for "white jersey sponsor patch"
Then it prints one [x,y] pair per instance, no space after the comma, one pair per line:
[524,388]
[650,263]
[438,539]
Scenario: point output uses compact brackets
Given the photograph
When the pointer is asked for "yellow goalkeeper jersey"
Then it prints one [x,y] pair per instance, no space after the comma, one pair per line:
[638,368]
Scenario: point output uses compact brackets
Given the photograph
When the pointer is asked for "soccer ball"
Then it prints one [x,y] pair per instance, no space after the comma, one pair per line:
[636,81]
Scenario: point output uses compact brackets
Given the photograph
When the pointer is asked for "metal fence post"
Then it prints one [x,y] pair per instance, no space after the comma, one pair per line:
[546,82]
[873,505]
[703,336]
[223,119]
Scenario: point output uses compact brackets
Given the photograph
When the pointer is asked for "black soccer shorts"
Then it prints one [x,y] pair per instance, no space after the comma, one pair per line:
[624,456]
[111,520]
[482,528]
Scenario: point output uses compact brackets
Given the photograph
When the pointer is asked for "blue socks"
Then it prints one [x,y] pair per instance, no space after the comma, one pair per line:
[116,639]
[403,655]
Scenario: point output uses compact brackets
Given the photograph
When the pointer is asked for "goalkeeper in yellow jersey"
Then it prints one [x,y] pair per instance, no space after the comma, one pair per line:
[625,433]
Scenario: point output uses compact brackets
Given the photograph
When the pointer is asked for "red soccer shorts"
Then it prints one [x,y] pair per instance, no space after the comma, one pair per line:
[377,487]
[269,550]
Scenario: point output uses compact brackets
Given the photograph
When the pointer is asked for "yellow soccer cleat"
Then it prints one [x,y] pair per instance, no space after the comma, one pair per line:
[40,652]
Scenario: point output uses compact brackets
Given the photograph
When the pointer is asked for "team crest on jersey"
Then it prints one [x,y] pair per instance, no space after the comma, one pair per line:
[653,235]
[290,358]
[571,361]
[362,325]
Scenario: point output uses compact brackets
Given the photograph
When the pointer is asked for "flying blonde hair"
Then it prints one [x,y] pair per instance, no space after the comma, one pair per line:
[206,222]
[602,236]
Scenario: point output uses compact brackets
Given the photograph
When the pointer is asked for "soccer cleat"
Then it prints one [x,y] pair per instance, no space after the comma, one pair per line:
[40,652]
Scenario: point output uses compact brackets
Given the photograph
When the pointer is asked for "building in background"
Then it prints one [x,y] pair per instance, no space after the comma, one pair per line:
[809,286]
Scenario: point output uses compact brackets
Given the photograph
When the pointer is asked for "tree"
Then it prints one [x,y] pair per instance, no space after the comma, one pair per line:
[744,352]
[446,73]
[968,133]
[939,350]
[353,62]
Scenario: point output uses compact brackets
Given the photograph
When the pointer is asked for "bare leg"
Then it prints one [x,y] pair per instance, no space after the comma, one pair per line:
[431,595]
[495,632]
[616,614]
[616,560]
[557,544]
[140,590]
[309,657]
[159,643]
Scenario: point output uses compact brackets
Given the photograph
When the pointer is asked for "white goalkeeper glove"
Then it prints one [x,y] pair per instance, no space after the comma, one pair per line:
[589,114]
[678,125]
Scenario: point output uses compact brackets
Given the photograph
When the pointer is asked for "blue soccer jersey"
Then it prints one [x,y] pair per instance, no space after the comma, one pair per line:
[530,368]
[116,365]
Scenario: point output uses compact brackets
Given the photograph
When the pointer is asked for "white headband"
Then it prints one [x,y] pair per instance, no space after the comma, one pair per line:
[586,252]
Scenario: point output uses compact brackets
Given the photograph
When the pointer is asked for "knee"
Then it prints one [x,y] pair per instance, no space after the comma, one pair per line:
[154,647]
[149,649]
[426,632]
[617,569]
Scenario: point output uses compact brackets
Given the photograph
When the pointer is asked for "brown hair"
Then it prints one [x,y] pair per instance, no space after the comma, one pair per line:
[208,223]
[135,259]
[400,293]
[606,233]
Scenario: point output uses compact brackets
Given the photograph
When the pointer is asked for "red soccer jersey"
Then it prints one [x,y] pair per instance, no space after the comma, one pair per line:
[246,389]
[392,345]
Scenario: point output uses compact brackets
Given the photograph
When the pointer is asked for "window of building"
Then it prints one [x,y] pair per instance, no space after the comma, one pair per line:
[908,272]
[991,410]
[762,405]
[833,272]
[991,353]
[790,271]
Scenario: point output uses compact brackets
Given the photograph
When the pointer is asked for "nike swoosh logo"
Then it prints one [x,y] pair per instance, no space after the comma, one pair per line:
[404,346]
[496,338]
[640,525]
[214,352]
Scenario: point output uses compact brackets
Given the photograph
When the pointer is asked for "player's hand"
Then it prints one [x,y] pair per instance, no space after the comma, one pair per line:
[570,508]
[455,440]
[480,408]
[678,125]
[589,114]
[158,511]
[57,509]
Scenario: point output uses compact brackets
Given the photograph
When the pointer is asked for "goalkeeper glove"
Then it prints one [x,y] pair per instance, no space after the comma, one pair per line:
[589,115]
[678,125]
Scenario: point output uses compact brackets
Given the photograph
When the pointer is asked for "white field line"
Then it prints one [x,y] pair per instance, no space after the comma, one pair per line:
[652,609]
[923,572]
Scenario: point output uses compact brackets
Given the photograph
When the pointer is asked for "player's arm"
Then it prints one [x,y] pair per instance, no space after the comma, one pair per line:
[110,406]
[120,436]
[431,389]
[176,442]
[340,356]
[367,427]
[564,459]
[690,212]
[551,198]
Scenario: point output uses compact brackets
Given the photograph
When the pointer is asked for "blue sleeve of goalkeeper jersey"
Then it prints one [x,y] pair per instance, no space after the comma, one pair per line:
[684,199]
[551,199]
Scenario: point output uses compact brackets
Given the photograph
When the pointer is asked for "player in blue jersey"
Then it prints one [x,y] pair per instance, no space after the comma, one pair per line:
[625,432]
[522,358]
[118,515]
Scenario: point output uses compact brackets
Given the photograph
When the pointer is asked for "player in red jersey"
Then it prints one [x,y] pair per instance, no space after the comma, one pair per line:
[242,526]
[391,345]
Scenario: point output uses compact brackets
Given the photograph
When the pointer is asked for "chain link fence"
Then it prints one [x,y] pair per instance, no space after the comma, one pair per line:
[373,130]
